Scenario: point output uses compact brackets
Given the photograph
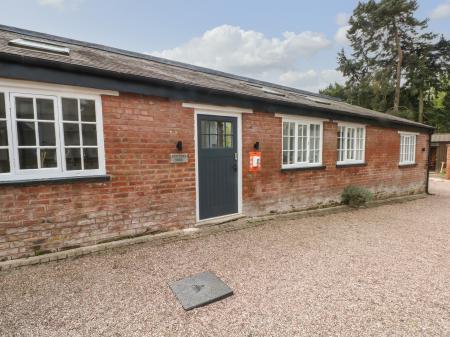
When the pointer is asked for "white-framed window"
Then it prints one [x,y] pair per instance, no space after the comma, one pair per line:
[45,134]
[302,143]
[351,144]
[407,148]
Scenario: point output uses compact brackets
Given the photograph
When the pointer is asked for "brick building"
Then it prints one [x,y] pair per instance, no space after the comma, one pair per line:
[98,143]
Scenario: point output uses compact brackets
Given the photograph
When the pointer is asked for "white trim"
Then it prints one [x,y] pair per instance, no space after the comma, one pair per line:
[408,133]
[38,87]
[304,121]
[239,164]
[60,171]
[216,108]
[301,118]
[351,161]
[413,154]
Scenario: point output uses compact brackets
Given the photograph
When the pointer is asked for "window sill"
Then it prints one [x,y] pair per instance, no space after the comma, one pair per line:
[55,181]
[407,165]
[303,168]
[351,165]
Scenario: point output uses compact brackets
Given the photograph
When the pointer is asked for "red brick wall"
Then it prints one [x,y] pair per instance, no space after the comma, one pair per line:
[147,193]
[448,162]
[272,190]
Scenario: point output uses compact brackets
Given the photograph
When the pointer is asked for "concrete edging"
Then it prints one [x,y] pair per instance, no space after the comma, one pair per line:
[195,232]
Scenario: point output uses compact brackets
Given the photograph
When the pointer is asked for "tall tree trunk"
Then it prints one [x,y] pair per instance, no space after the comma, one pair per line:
[421,106]
[398,75]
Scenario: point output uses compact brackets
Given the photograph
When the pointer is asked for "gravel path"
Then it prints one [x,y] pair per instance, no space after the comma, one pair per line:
[375,272]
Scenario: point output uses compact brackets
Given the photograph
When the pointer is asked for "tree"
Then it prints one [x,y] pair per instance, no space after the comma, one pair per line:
[379,34]
[427,65]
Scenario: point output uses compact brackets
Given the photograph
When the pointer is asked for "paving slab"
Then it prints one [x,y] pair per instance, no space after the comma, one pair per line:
[199,290]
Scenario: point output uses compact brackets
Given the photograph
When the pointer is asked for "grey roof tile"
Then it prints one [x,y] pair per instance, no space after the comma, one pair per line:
[124,62]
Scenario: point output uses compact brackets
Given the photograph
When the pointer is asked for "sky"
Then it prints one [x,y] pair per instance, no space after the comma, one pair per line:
[293,43]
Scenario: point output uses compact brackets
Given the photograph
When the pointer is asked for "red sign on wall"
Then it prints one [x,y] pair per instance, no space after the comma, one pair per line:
[255,161]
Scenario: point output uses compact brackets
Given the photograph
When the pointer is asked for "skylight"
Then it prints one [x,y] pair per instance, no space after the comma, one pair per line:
[271,91]
[317,100]
[42,46]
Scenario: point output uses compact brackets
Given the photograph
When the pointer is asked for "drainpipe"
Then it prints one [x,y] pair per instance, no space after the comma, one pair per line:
[428,164]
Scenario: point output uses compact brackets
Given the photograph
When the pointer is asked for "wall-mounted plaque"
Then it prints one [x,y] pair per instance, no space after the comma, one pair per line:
[179,158]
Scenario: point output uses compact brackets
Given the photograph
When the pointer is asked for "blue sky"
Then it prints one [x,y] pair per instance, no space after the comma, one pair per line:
[289,42]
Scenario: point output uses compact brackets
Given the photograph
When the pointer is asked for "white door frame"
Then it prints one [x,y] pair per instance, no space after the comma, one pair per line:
[226,112]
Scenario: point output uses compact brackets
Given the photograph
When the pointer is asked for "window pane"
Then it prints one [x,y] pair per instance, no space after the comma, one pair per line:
[48,158]
[70,109]
[87,109]
[28,159]
[26,133]
[285,143]
[229,142]
[45,109]
[90,159]
[47,134]
[2,105]
[285,157]
[3,134]
[73,159]
[205,141]
[24,108]
[71,134]
[89,134]
[213,141]
[4,161]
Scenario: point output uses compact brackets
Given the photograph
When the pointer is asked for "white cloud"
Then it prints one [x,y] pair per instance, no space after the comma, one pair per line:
[342,19]
[247,52]
[60,4]
[52,3]
[250,53]
[341,35]
[441,12]
[311,80]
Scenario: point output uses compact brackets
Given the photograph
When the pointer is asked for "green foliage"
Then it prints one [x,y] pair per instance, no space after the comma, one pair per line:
[388,44]
[356,196]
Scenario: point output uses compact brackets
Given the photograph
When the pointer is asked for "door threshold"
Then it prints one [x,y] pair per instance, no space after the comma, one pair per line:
[219,220]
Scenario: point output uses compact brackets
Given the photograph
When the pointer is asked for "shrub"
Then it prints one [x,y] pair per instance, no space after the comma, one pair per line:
[356,196]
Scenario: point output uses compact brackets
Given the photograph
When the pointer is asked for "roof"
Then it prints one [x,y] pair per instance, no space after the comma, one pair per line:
[440,138]
[120,63]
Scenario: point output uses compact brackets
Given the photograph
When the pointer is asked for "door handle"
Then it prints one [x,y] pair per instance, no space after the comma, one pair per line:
[235,167]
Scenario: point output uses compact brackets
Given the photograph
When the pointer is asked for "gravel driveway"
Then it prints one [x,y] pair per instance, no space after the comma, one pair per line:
[382,271]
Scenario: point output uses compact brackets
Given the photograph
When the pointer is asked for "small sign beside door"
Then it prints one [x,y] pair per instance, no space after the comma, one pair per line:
[179,158]
[255,161]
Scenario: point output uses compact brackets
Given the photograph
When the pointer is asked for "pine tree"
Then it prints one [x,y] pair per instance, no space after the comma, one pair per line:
[379,34]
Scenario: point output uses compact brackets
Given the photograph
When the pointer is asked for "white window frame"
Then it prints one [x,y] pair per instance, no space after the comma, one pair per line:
[302,121]
[351,161]
[57,93]
[404,160]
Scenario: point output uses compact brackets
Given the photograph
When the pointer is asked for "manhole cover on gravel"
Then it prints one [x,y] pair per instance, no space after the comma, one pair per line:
[200,289]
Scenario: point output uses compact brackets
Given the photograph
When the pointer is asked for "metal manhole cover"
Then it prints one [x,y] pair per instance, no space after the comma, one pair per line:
[200,289]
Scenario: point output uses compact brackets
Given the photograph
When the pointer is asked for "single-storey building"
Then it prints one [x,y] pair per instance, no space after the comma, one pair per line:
[98,143]
[440,150]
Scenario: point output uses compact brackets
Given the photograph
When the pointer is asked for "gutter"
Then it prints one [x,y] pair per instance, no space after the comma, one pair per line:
[427,181]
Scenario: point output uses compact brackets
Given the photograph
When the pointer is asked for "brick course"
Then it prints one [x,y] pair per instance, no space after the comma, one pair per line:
[147,194]
[448,162]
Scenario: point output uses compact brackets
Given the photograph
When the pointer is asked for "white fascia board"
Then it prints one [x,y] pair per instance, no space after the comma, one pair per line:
[217,108]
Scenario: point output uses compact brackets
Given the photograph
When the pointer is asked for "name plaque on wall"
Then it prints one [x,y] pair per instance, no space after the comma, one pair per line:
[179,158]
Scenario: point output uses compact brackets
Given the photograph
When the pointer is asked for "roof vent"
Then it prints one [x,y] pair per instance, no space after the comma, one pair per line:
[272,91]
[41,46]
[317,100]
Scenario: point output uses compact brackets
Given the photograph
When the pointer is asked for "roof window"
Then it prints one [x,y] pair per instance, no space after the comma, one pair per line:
[317,100]
[41,46]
